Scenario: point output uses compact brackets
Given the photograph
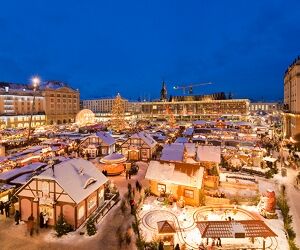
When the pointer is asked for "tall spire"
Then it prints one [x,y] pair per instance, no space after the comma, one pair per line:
[163,92]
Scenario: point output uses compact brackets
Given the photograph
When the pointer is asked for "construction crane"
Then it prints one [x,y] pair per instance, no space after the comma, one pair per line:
[190,87]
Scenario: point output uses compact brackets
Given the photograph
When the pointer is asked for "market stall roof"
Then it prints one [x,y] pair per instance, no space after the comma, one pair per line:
[113,158]
[78,177]
[209,153]
[190,175]
[166,227]
[106,137]
[21,180]
[182,140]
[199,123]
[190,149]
[270,159]
[11,174]
[172,152]
[148,139]
[189,131]
[234,229]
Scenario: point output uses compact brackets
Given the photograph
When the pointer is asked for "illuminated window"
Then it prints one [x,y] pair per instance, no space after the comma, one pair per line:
[92,203]
[189,193]
[161,187]
[80,212]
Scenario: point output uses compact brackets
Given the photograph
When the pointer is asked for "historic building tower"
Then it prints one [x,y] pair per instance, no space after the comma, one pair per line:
[292,101]
[163,92]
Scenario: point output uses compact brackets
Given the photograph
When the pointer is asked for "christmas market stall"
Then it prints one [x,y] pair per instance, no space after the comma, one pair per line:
[73,189]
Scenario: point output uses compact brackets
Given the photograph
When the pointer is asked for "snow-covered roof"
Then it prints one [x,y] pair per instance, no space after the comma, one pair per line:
[21,180]
[74,176]
[146,138]
[270,159]
[172,152]
[106,138]
[199,122]
[189,131]
[209,153]
[243,124]
[185,175]
[113,158]
[8,175]
[190,149]
[182,140]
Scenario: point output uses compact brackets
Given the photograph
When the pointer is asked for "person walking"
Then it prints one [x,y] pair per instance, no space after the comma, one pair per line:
[17,217]
[6,208]
[1,207]
[41,219]
[46,218]
[30,225]
[177,247]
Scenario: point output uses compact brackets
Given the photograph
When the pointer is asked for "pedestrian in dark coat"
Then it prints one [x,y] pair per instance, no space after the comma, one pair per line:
[17,217]
[177,247]
[6,208]
[30,225]
[1,207]
[41,220]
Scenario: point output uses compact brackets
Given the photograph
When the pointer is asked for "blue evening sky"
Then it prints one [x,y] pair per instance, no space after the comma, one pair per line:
[105,47]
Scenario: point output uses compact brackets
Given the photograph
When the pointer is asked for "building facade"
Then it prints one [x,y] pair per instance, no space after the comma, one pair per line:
[292,100]
[267,107]
[61,103]
[54,103]
[16,106]
[234,109]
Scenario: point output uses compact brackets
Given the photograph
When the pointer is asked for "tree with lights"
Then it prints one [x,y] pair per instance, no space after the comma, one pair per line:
[118,114]
[170,117]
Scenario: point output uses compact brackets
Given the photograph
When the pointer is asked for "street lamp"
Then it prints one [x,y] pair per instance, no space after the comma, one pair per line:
[35,83]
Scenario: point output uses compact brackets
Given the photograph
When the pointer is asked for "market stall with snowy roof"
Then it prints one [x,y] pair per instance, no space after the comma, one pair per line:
[237,229]
[101,143]
[73,188]
[7,176]
[173,152]
[139,146]
[179,179]
[113,164]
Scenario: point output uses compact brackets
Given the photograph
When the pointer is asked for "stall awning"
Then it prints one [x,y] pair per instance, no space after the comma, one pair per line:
[234,229]
[166,227]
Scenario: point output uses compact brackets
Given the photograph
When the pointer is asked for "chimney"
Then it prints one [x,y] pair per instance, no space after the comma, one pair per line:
[52,167]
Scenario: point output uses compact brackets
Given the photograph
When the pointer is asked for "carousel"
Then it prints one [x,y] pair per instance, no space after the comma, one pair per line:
[113,164]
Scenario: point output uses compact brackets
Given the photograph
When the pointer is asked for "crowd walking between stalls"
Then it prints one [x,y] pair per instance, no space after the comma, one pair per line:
[32,225]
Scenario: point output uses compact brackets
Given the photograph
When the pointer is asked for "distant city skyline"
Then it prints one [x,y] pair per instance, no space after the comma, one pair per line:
[105,48]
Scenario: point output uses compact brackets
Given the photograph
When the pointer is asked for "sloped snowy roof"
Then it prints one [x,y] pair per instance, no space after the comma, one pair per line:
[185,175]
[8,175]
[146,138]
[21,180]
[113,158]
[190,149]
[199,122]
[189,131]
[182,140]
[209,153]
[106,138]
[172,152]
[72,175]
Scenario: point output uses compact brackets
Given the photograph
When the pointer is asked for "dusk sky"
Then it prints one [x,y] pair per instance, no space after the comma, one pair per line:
[106,47]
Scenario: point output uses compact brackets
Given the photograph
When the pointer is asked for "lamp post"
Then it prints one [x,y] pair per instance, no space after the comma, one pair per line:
[35,83]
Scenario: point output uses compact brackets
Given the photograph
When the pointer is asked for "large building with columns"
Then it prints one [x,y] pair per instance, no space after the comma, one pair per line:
[292,100]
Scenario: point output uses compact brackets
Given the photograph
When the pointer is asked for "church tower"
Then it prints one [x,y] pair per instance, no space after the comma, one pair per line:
[163,92]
